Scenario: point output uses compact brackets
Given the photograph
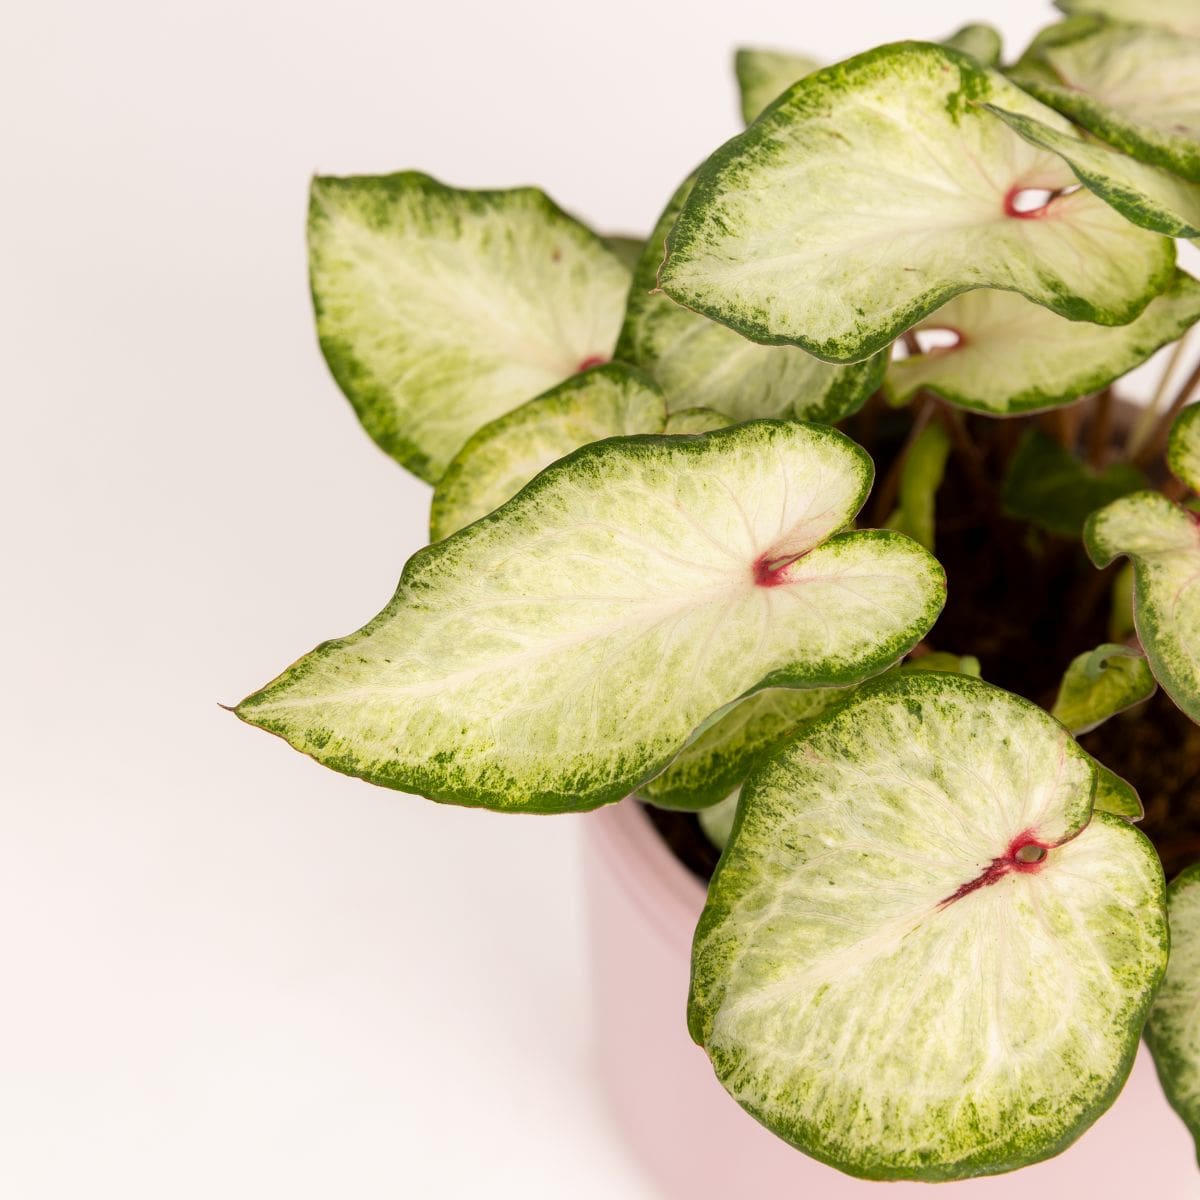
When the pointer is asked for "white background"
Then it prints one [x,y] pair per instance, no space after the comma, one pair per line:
[227,972]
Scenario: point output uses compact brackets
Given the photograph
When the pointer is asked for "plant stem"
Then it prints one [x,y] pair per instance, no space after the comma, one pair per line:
[1157,442]
[1145,422]
[1100,428]
[889,487]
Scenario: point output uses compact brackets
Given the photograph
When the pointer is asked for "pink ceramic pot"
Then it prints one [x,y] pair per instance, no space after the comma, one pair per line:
[699,1145]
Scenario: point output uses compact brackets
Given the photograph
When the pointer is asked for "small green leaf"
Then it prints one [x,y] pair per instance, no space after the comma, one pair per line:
[1120,609]
[1012,356]
[1173,1031]
[1116,795]
[559,653]
[877,918]
[439,309]
[725,753]
[1134,86]
[1163,543]
[1183,447]
[503,456]
[1101,683]
[876,190]
[698,362]
[981,42]
[1148,196]
[763,75]
[1182,16]
[920,478]
[1049,487]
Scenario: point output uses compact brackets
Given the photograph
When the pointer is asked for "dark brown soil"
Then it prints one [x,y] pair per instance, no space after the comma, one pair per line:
[1025,604]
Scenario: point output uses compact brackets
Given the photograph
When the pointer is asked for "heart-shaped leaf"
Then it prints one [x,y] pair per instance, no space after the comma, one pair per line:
[698,362]
[440,309]
[560,652]
[877,189]
[502,457]
[1011,356]
[1134,86]
[1101,683]
[1182,16]
[724,754]
[1148,196]
[1163,542]
[1173,1031]
[763,75]
[923,956]
[1183,447]
[1049,487]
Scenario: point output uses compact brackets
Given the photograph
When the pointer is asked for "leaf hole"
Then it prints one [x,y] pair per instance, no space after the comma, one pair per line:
[931,341]
[1029,203]
[1030,853]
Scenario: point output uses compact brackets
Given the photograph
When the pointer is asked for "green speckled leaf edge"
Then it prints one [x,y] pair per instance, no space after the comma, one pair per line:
[1116,795]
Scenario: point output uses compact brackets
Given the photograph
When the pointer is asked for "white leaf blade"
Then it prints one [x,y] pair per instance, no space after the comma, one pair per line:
[438,309]
[1181,16]
[899,1012]
[767,243]
[559,653]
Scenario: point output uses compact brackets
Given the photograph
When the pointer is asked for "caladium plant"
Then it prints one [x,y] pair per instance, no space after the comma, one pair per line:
[797,525]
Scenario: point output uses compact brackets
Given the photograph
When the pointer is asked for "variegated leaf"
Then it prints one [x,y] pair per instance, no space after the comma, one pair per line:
[1182,16]
[1148,196]
[1100,683]
[1173,1031]
[1011,356]
[1163,542]
[560,652]
[1135,86]
[763,75]
[878,189]
[503,456]
[698,362]
[1183,447]
[923,956]
[695,420]
[439,309]
[717,820]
